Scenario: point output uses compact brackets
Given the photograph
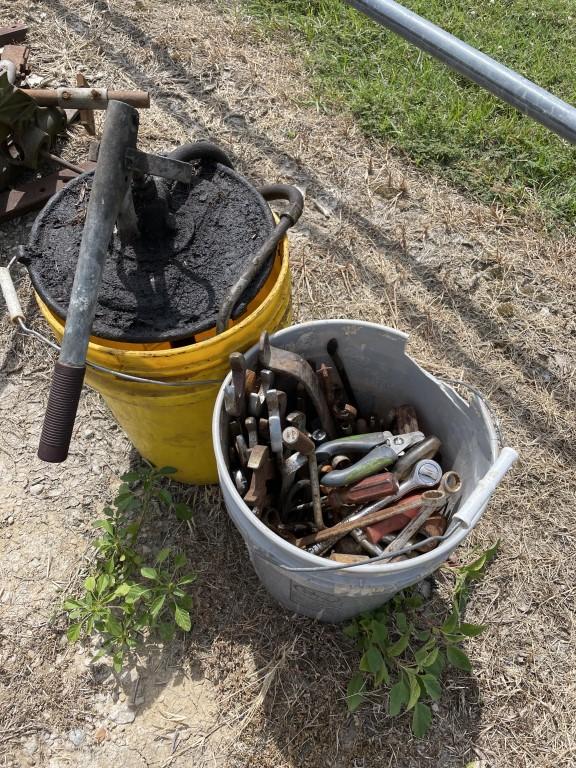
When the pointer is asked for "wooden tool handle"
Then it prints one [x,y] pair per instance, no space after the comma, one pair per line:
[367,490]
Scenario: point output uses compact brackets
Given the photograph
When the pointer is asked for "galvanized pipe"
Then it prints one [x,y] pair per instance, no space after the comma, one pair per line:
[109,188]
[508,85]
[85,98]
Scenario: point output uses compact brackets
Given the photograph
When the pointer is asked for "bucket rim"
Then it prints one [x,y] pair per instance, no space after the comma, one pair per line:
[373,569]
[203,347]
[56,308]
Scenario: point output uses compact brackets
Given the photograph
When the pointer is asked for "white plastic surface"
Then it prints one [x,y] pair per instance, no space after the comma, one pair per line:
[10,295]
[382,376]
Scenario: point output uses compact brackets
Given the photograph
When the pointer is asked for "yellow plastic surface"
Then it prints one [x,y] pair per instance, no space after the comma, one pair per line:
[171,426]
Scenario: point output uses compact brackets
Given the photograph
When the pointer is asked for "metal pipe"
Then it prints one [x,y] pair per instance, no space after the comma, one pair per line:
[85,98]
[111,182]
[62,162]
[508,85]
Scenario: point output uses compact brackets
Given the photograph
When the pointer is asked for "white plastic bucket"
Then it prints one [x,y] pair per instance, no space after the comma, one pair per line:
[382,376]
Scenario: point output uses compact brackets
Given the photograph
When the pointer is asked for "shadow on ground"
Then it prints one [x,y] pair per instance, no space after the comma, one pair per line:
[301,667]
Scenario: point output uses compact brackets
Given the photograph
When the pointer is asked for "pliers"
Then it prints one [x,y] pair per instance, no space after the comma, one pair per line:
[381,449]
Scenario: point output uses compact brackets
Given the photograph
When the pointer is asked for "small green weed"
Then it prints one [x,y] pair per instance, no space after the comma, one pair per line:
[129,598]
[406,653]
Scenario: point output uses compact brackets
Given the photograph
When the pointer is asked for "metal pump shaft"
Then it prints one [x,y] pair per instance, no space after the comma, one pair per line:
[109,188]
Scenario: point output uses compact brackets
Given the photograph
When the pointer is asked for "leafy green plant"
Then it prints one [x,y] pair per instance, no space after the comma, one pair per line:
[405,651]
[130,597]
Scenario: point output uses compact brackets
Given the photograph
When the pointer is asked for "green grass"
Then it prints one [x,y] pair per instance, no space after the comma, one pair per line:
[443,122]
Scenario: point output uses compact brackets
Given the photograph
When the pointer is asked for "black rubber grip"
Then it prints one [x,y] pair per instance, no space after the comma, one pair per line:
[61,410]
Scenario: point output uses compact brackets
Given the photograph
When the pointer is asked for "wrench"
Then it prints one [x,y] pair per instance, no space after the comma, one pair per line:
[262,470]
[427,449]
[256,400]
[290,467]
[297,419]
[230,401]
[431,501]
[242,450]
[263,430]
[240,482]
[274,421]
[346,418]
[427,470]
[382,456]
[297,440]
[288,501]
[238,367]
[283,361]
[252,431]
[426,474]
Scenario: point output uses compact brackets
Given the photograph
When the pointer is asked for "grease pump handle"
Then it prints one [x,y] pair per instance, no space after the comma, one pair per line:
[111,183]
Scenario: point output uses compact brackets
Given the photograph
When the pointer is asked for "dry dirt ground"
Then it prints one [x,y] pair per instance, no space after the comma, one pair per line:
[486,299]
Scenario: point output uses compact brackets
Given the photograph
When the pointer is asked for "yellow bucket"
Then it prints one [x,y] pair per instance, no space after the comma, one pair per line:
[171,426]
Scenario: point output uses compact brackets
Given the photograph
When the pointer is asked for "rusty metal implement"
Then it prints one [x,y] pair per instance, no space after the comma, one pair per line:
[332,349]
[256,400]
[262,470]
[293,365]
[426,474]
[329,536]
[376,532]
[238,368]
[431,501]
[300,442]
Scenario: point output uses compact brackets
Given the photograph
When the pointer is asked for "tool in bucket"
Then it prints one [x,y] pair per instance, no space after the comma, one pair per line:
[350,510]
